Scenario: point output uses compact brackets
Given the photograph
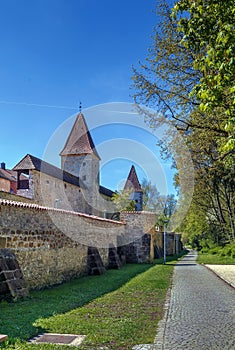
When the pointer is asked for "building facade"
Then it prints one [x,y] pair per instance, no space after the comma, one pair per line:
[75,186]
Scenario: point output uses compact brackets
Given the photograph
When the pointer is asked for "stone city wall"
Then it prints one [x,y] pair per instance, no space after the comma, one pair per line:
[54,245]
[140,247]
[149,246]
[173,244]
[14,197]
[51,244]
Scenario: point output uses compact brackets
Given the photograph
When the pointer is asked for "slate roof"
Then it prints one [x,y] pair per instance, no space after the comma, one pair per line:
[132,181]
[30,162]
[79,141]
[106,191]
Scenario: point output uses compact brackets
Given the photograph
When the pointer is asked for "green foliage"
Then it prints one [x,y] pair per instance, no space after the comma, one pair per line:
[163,82]
[151,196]
[218,255]
[188,78]
[209,31]
[164,206]
[123,201]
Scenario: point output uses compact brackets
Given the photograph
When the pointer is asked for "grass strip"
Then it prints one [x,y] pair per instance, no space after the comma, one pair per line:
[116,310]
[214,259]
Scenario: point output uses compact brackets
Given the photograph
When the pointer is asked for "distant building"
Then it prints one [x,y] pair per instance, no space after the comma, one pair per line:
[133,184]
[76,185]
[8,182]
[73,187]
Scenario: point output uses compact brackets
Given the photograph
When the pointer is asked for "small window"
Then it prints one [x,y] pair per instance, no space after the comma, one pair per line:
[65,185]
[84,163]
[84,177]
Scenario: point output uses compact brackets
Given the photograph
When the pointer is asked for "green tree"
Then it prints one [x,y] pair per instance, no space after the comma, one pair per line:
[208,28]
[123,202]
[151,195]
[172,81]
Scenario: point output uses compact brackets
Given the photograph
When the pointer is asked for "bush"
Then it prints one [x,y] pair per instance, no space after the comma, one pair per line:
[215,250]
[228,250]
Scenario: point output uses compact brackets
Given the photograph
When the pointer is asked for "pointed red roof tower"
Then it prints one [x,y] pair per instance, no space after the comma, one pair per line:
[132,183]
[79,157]
[79,141]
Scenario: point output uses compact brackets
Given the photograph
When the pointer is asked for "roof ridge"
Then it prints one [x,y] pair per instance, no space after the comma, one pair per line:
[10,203]
[46,168]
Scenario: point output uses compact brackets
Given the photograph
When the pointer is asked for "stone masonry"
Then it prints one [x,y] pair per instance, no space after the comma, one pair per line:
[51,245]
[12,283]
[54,245]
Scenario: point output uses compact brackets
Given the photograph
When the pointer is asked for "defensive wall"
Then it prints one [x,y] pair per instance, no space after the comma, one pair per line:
[53,245]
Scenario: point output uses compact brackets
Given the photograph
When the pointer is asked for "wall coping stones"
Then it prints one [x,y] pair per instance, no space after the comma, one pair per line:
[10,203]
[138,212]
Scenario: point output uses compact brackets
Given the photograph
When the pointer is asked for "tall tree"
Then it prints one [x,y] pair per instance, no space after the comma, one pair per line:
[151,195]
[123,201]
[208,28]
[173,81]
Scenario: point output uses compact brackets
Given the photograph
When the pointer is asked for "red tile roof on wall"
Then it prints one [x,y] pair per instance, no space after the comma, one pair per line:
[79,141]
[9,203]
[132,181]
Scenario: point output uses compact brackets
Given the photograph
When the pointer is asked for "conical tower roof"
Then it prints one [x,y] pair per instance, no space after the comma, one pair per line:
[132,182]
[79,141]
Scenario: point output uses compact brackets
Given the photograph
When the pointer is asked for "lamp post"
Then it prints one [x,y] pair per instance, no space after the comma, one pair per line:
[164,242]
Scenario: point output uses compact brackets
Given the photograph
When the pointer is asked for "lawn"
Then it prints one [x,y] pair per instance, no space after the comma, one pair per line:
[215,259]
[115,311]
[217,255]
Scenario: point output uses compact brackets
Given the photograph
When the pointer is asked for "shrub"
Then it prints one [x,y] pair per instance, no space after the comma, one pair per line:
[215,250]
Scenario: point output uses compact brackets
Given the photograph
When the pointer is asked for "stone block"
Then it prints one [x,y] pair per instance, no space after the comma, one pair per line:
[4,290]
[94,262]
[3,242]
[114,261]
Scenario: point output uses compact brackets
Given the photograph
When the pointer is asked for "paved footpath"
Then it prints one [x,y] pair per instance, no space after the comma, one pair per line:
[200,314]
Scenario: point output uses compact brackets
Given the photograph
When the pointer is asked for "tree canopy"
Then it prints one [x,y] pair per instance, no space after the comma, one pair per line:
[208,28]
[188,79]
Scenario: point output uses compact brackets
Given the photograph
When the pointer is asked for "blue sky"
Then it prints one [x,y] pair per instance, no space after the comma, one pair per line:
[55,53]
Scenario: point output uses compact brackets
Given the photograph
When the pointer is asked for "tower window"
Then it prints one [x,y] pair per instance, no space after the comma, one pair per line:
[84,177]
[84,163]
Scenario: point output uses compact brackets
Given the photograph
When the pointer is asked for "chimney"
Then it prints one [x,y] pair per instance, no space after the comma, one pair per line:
[3,166]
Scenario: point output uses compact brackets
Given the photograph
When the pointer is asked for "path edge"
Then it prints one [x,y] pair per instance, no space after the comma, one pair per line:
[219,276]
[159,339]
